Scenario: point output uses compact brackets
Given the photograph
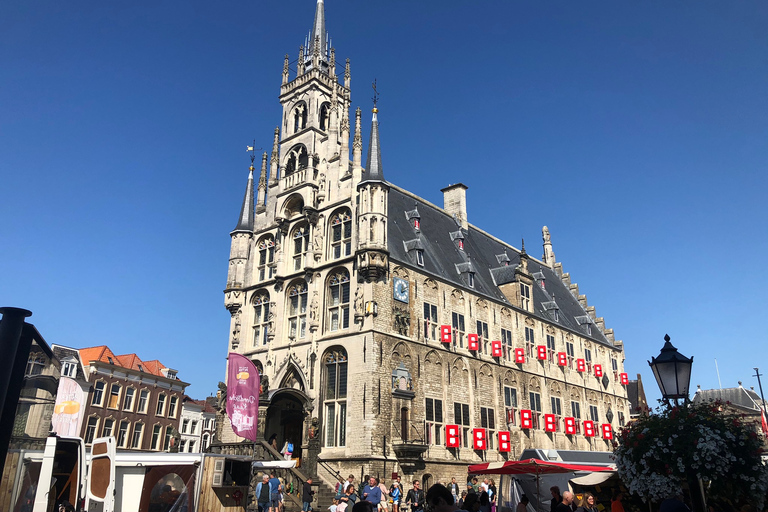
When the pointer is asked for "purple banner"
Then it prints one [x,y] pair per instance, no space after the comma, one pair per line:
[243,384]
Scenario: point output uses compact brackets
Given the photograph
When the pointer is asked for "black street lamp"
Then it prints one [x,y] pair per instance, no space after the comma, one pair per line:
[672,371]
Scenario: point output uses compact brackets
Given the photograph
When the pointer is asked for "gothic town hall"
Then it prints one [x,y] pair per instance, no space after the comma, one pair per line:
[392,334]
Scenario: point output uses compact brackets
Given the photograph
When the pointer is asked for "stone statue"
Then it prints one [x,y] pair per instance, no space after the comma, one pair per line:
[221,395]
[317,239]
[359,301]
[264,385]
[314,428]
[313,309]
[545,235]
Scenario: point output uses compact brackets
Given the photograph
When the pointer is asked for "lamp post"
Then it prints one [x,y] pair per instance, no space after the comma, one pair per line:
[672,371]
[673,375]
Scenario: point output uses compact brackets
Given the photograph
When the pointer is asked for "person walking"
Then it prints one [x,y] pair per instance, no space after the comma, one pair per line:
[262,493]
[556,498]
[274,493]
[372,493]
[396,495]
[384,495]
[492,494]
[306,497]
[455,491]
[565,505]
[415,497]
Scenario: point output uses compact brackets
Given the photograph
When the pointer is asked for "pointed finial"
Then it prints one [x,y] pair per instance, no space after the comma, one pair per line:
[253,152]
[332,65]
[285,69]
[375,96]
[522,250]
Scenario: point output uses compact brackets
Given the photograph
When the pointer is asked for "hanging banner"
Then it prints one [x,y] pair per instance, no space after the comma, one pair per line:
[243,384]
[68,412]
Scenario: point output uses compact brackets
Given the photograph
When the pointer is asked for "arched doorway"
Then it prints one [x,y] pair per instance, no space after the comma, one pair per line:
[285,419]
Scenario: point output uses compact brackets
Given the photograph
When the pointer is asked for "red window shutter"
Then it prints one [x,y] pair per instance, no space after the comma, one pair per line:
[570,425]
[589,428]
[452,436]
[581,366]
[445,334]
[550,423]
[479,439]
[624,379]
[519,355]
[607,431]
[562,359]
[526,418]
[598,370]
[541,352]
[496,348]
[504,441]
[472,342]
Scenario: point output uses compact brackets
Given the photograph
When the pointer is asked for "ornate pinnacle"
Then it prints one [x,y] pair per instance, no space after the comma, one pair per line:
[358,141]
[285,69]
[300,65]
[332,65]
[347,75]
[263,175]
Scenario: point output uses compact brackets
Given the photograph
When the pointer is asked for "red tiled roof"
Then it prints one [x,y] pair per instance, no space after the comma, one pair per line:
[132,361]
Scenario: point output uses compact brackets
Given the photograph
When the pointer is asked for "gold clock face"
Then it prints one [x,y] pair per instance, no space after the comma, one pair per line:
[400,290]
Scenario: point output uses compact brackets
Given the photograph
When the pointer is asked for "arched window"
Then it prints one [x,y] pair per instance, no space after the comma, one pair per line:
[35,365]
[300,246]
[299,117]
[338,300]
[335,403]
[260,319]
[324,117]
[341,234]
[266,248]
[297,159]
[297,310]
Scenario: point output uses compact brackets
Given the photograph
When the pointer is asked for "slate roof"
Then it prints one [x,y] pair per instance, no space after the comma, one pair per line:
[63,353]
[443,259]
[740,397]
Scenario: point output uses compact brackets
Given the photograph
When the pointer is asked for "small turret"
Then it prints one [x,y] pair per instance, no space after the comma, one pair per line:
[262,188]
[357,147]
[549,254]
[274,160]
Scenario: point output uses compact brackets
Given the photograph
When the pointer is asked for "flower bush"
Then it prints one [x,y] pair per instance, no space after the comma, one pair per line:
[658,453]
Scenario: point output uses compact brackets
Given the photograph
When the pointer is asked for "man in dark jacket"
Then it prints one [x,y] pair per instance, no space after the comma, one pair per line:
[415,497]
[306,496]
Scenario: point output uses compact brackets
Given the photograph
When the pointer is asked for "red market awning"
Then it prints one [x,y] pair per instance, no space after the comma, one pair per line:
[530,466]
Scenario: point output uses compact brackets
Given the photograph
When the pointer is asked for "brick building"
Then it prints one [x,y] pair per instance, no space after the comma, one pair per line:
[138,402]
[391,332]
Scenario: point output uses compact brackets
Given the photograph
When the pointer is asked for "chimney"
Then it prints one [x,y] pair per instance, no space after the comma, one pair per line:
[455,202]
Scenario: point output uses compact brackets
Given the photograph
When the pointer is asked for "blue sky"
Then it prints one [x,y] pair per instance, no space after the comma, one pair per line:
[637,133]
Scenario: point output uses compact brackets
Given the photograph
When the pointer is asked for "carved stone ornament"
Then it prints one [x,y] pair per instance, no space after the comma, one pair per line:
[402,383]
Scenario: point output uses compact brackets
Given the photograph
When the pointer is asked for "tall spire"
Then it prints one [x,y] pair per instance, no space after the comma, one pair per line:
[373,168]
[318,29]
[245,221]
[317,41]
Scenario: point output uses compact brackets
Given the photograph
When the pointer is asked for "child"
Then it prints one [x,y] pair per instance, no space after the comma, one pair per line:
[335,505]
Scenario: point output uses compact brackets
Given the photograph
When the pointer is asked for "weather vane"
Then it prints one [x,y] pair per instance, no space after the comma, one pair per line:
[375,94]
[252,149]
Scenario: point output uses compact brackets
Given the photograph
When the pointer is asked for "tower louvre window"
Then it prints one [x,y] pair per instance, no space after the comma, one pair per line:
[299,117]
[300,247]
[324,115]
[266,247]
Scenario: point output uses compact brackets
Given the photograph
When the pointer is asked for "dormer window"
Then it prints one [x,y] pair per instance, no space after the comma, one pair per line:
[458,239]
[172,374]
[420,257]
[415,250]
[552,309]
[467,271]
[471,280]
[525,296]
[141,368]
[539,277]
[110,360]
[585,322]
[503,259]
[414,218]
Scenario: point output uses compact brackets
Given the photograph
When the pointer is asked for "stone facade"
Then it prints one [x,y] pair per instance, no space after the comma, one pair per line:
[339,283]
